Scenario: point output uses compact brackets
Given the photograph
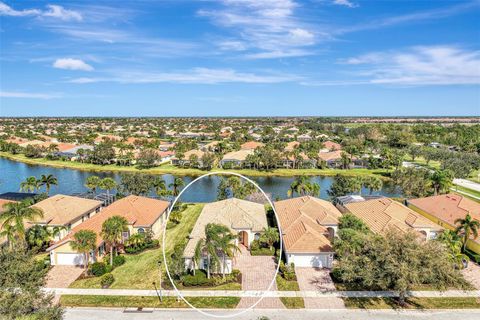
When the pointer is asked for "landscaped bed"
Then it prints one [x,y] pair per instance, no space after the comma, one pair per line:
[147,302]
[412,303]
[289,285]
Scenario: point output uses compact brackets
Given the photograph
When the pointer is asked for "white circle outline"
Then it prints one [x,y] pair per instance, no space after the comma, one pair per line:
[165,257]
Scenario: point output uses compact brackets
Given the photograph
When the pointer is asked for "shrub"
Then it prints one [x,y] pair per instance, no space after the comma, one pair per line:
[107,280]
[262,252]
[199,279]
[118,261]
[98,269]
[287,271]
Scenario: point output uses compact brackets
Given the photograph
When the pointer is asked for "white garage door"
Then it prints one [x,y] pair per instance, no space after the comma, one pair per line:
[316,261]
[70,259]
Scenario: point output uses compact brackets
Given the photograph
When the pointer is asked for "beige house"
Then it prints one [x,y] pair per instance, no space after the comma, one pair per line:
[66,212]
[383,214]
[244,218]
[235,158]
[143,214]
[308,226]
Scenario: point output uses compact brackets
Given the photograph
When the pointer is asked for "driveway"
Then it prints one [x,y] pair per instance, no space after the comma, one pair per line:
[62,276]
[316,279]
[257,274]
[472,274]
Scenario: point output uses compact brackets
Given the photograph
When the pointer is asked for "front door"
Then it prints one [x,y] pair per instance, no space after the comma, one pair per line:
[244,238]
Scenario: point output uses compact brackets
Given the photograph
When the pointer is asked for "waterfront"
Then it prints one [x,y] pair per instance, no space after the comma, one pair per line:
[71,181]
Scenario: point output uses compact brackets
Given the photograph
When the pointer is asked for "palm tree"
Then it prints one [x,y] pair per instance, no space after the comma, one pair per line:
[372,183]
[112,231]
[209,245]
[160,187]
[468,226]
[225,245]
[93,183]
[270,236]
[84,242]
[441,181]
[30,184]
[48,181]
[9,232]
[107,184]
[298,186]
[346,160]
[176,185]
[16,214]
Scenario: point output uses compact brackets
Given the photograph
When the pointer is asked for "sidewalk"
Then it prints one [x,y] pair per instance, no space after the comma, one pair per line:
[258,293]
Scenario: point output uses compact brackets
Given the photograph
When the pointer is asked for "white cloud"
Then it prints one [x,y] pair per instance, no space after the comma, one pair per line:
[269,27]
[422,65]
[52,11]
[346,3]
[6,10]
[196,75]
[59,12]
[72,64]
[28,95]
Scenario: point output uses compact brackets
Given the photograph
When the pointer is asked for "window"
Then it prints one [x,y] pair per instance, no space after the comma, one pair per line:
[257,236]
[141,230]
[125,235]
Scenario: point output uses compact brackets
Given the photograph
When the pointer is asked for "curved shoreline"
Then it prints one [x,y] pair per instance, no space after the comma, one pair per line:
[169,169]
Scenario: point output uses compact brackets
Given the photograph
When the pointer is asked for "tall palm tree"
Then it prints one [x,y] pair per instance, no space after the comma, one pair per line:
[9,233]
[160,187]
[107,184]
[92,183]
[270,236]
[209,245]
[468,227]
[112,231]
[225,245]
[298,186]
[16,214]
[30,184]
[48,182]
[176,185]
[441,181]
[372,183]
[84,242]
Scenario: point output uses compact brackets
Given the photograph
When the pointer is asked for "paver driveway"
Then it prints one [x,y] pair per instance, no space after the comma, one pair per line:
[257,274]
[316,279]
[472,274]
[62,276]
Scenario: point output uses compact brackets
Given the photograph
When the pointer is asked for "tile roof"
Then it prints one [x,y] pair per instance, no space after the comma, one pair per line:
[330,145]
[304,222]
[384,213]
[331,155]
[240,155]
[448,207]
[251,145]
[62,209]
[233,213]
[139,212]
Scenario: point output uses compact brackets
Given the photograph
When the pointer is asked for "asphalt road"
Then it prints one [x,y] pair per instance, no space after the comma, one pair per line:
[187,314]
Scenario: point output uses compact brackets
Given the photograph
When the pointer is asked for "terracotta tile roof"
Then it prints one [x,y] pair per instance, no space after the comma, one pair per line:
[233,213]
[291,145]
[60,210]
[304,222]
[330,145]
[139,212]
[251,145]
[384,213]
[448,207]
[198,153]
[3,202]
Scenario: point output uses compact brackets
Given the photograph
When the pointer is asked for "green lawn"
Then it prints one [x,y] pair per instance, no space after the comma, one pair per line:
[466,190]
[141,270]
[147,302]
[433,164]
[284,285]
[170,169]
[412,303]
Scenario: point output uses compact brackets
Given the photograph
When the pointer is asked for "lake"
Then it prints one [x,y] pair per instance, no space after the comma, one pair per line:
[71,181]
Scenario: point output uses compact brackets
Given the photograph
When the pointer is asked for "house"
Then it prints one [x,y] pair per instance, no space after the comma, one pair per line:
[188,156]
[342,201]
[291,146]
[143,214]
[308,227]
[445,209]
[72,153]
[245,218]
[333,159]
[166,146]
[235,158]
[251,145]
[66,212]
[304,137]
[212,146]
[383,214]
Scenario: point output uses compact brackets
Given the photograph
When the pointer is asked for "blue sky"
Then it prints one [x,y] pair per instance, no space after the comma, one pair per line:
[239,58]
